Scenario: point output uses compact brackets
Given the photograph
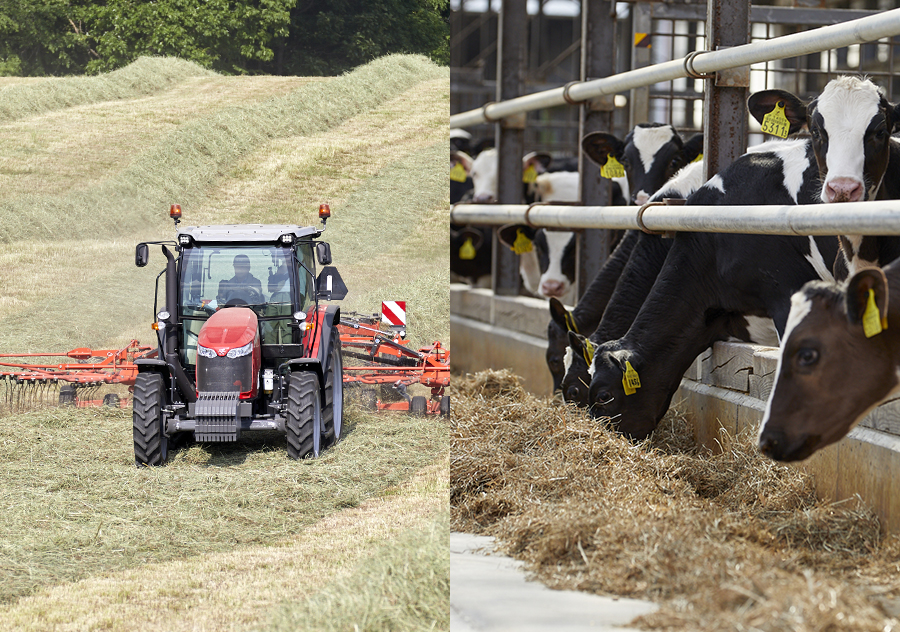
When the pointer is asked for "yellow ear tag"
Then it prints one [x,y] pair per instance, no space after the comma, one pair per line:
[570,323]
[698,158]
[776,123]
[612,169]
[630,381]
[467,250]
[588,351]
[529,175]
[873,323]
[458,173]
[522,244]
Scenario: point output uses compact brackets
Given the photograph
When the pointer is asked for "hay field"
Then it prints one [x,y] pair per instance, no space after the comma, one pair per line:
[227,537]
[729,541]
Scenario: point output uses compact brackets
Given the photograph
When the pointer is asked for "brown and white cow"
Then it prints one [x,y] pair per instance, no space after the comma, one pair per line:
[837,362]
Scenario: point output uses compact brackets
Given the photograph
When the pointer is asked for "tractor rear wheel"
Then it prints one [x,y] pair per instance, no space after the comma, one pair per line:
[418,405]
[333,414]
[445,406]
[151,446]
[304,416]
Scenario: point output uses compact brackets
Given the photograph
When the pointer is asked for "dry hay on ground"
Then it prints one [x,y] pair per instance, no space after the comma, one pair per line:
[728,541]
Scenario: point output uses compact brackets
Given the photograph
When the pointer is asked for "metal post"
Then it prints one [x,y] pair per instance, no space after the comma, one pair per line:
[598,59]
[725,98]
[510,133]
[641,21]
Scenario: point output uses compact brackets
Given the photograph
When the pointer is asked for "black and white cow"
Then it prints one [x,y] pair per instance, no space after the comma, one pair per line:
[711,283]
[586,318]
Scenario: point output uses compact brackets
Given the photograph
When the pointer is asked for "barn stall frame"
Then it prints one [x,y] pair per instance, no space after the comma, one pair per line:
[498,328]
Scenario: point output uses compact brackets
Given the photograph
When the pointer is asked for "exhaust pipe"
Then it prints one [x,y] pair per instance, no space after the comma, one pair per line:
[184,384]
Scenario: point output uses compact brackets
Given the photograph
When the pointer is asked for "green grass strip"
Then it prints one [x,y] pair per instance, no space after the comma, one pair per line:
[145,76]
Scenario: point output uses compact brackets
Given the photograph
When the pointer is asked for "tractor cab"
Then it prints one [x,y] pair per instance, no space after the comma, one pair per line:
[245,342]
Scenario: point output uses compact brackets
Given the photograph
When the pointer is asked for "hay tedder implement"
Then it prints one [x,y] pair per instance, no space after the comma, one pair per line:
[389,363]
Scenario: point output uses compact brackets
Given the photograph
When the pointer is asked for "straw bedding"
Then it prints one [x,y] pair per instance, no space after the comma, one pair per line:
[723,541]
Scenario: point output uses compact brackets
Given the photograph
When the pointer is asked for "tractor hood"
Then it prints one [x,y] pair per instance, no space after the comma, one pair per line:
[228,329]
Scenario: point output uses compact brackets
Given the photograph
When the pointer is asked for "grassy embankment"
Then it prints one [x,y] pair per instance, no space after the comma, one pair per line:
[230,536]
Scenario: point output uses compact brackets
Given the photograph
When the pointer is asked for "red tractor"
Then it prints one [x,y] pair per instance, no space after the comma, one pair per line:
[243,341]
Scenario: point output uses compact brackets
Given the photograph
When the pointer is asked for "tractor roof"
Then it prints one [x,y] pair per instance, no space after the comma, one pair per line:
[247,232]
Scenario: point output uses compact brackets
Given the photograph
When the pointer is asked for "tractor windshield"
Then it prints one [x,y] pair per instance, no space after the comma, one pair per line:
[263,278]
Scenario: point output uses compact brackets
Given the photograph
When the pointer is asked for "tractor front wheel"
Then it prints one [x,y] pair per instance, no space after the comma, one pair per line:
[151,446]
[333,414]
[304,416]
[418,405]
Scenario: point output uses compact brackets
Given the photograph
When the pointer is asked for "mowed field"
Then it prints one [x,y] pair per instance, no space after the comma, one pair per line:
[234,536]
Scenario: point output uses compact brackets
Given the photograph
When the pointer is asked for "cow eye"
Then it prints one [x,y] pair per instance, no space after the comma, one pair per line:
[814,132]
[881,134]
[807,357]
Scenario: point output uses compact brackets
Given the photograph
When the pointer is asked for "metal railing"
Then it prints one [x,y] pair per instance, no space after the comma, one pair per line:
[846,218]
[868,29]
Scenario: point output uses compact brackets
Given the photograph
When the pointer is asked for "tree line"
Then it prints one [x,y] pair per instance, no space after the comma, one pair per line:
[279,37]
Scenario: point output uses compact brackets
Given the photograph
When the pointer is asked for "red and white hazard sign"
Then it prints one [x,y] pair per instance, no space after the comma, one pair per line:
[394,313]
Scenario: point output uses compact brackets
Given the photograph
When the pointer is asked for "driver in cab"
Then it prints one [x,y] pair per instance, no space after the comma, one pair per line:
[243,286]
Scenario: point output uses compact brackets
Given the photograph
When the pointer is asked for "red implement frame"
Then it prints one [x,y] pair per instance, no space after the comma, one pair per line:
[111,366]
[400,366]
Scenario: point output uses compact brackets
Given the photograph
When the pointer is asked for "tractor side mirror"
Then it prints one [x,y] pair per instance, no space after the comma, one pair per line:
[323,253]
[141,255]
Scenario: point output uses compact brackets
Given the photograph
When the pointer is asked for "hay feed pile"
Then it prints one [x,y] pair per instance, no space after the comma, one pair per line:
[728,541]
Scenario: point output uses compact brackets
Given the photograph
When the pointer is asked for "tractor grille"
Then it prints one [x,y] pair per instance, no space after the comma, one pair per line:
[218,417]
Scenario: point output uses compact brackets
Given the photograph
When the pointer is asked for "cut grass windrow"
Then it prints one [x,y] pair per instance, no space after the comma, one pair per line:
[145,76]
[186,163]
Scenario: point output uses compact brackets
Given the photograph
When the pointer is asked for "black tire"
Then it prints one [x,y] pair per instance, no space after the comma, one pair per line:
[67,395]
[151,446]
[445,406]
[333,413]
[304,416]
[111,400]
[418,405]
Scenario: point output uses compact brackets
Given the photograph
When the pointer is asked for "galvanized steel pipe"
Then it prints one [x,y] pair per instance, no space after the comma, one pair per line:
[866,29]
[848,218]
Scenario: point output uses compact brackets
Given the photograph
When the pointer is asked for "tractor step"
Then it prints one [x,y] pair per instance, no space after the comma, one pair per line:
[218,417]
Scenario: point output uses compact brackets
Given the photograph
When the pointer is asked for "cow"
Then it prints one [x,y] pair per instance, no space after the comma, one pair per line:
[470,246]
[650,154]
[585,318]
[711,283]
[840,358]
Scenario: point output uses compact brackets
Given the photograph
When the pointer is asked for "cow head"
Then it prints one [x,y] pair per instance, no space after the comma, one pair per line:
[552,253]
[485,168]
[651,154]
[830,373]
[576,382]
[634,413]
[561,323]
[850,124]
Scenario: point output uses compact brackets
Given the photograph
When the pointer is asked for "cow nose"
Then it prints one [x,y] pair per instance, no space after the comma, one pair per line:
[640,198]
[772,443]
[553,288]
[843,190]
[483,198]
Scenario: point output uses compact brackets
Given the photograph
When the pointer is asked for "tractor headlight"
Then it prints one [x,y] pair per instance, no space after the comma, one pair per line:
[205,352]
[240,351]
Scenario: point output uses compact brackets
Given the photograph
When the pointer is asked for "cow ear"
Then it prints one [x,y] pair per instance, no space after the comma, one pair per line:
[761,103]
[599,146]
[576,341]
[619,358]
[895,116]
[692,149]
[463,158]
[858,287]
[508,234]
[538,160]
[560,314]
